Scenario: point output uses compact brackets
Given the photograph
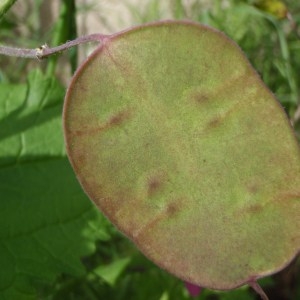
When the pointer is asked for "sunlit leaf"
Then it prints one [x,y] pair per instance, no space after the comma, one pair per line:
[46,222]
[111,272]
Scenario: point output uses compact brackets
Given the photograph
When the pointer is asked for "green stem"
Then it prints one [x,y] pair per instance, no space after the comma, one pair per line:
[65,29]
[287,62]
[5,6]
[289,73]
[72,35]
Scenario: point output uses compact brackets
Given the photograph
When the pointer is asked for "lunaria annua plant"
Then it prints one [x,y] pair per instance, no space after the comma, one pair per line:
[175,138]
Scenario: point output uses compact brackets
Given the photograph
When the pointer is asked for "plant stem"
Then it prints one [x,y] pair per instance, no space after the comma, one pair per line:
[45,51]
[257,288]
[73,33]
[5,6]
[65,29]
[285,52]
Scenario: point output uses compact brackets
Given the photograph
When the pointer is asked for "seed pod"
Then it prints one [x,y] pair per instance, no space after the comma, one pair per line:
[175,138]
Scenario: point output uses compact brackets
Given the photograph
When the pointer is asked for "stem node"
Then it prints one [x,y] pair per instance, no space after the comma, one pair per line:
[44,51]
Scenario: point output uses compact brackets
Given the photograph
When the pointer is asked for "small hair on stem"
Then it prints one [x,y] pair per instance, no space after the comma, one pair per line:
[44,51]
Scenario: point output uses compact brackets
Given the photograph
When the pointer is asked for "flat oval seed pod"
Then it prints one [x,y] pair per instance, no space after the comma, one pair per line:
[175,138]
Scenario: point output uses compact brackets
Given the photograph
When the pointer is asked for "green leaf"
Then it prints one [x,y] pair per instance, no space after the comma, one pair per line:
[237,294]
[5,6]
[176,139]
[178,9]
[46,222]
[111,272]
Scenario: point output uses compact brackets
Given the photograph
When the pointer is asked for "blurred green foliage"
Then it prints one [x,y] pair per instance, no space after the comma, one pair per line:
[5,5]
[115,269]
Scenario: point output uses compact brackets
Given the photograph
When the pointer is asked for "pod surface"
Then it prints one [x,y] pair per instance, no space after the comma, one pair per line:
[176,139]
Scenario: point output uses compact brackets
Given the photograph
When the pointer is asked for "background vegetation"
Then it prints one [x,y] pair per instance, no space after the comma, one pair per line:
[53,243]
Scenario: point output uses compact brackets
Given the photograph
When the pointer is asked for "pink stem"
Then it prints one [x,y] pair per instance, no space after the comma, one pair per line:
[258,290]
[44,51]
[194,290]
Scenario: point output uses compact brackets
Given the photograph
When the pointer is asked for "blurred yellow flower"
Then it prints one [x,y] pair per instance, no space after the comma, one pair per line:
[274,7]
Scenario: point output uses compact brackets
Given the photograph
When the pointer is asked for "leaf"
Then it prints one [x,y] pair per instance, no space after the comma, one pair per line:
[176,139]
[111,272]
[5,6]
[46,222]
[237,294]
[178,9]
